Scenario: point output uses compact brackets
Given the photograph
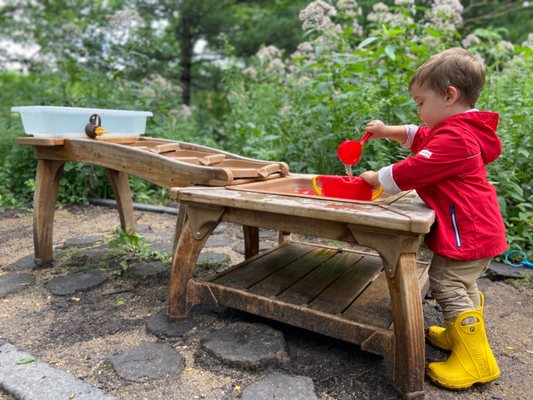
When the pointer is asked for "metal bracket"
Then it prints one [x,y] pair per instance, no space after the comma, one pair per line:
[388,246]
[203,219]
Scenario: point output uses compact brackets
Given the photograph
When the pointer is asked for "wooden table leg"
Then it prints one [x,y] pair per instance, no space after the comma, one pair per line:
[251,241]
[407,314]
[46,185]
[122,191]
[186,251]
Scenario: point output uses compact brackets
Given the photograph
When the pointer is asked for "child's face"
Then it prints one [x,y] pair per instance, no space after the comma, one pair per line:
[432,107]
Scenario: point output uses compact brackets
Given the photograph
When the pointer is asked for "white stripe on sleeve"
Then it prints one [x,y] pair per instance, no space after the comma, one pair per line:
[410,130]
[387,181]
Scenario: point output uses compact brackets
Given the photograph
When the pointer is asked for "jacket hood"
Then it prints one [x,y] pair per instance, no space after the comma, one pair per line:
[482,125]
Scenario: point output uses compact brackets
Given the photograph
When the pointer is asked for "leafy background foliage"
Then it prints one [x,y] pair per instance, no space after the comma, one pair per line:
[322,82]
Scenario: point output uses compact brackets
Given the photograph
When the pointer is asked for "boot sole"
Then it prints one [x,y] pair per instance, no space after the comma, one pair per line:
[464,385]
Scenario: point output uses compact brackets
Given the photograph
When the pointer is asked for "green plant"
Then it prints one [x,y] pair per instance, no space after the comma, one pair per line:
[131,247]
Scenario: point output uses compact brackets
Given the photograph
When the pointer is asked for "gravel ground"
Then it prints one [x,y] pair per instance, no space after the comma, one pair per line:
[79,333]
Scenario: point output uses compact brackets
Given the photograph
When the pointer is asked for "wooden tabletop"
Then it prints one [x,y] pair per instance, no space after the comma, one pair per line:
[408,214]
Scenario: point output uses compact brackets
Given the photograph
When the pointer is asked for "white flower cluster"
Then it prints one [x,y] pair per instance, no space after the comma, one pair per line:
[268,53]
[349,7]
[503,49]
[381,14]
[470,40]
[445,15]
[271,55]
[404,3]
[316,16]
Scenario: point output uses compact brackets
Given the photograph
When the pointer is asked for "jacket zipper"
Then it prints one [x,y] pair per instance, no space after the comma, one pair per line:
[454,226]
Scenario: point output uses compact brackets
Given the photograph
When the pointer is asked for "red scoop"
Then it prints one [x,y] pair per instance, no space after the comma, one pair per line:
[349,151]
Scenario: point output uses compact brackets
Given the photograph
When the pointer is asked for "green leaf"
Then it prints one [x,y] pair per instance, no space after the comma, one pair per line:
[25,361]
[366,42]
[390,51]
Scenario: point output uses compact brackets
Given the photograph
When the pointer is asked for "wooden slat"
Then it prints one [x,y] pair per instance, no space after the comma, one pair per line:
[40,141]
[249,273]
[165,148]
[373,306]
[118,140]
[337,297]
[285,277]
[310,286]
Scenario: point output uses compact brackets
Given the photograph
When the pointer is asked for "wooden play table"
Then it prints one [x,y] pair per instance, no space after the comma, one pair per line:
[372,299]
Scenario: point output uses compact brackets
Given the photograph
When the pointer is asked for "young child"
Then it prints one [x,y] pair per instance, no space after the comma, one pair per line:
[448,171]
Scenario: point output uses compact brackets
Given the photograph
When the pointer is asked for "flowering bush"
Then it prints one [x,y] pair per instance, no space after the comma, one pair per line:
[299,107]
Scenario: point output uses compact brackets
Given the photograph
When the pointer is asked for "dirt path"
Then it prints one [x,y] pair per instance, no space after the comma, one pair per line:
[79,333]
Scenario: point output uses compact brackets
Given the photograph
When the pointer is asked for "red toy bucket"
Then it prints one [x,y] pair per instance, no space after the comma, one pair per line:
[344,187]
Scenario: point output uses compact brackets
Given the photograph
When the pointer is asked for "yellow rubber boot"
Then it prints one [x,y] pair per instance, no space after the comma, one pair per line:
[471,360]
[438,335]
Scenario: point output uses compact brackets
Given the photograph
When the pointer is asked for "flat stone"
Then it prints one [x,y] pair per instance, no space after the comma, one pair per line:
[149,269]
[24,263]
[148,361]
[86,241]
[218,241]
[76,281]
[498,270]
[143,228]
[27,378]
[239,248]
[245,345]
[281,387]
[13,282]
[165,247]
[158,325]
[221,228]
[210,257]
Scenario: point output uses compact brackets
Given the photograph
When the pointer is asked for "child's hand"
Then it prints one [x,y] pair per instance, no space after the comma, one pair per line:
[371,177]
[378,129]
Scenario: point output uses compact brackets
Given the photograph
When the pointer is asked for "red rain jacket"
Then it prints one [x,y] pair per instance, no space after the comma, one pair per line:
[448,172]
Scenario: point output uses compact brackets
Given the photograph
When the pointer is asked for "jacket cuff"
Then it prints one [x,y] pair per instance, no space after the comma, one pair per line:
[386,180]
[410,130]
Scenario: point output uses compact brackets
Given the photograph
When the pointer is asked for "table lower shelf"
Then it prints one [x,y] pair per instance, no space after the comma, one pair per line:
[337,292]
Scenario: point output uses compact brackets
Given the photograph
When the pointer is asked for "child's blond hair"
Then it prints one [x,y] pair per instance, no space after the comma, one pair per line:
[453,67]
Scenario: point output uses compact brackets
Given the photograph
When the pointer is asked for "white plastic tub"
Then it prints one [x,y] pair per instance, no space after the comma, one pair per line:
[70,121]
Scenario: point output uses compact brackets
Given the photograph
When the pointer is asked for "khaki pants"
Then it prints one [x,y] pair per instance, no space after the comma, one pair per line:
[453,284]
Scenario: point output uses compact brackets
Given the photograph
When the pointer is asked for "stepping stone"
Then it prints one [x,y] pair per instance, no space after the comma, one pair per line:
[86,241]
[149,269]
[209,257]
[158,325]
[143,228]
[148,361]
[76,281]
[27,378]
[281,387]
[239,248]
[13,282]
[24,263]
[500,271]
[218,241]
[245,345]
[221,228]
[165,247]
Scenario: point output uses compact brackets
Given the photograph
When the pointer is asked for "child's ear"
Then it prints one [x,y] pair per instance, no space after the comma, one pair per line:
[451,94]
